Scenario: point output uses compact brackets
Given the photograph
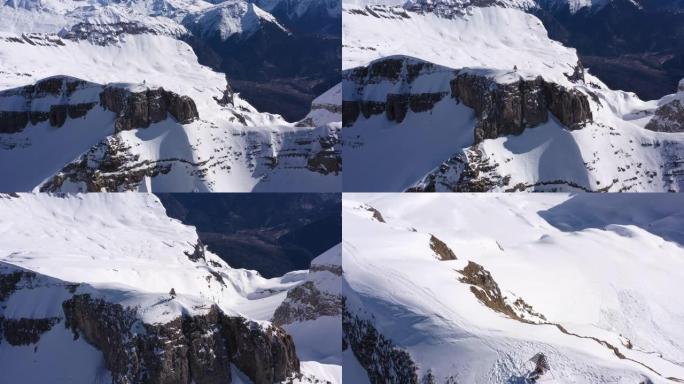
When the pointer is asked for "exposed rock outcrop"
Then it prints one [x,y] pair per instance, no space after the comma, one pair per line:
[541,366]
[377,216]
[34,108]
[442,250]
[395,106]
[25,331]
[487,291]
[108,166]
[105,34]
[140,109]
[328,158]
[10,281]
[508,108]
[187,349]
[504,103]
[467,171]
[669,117]
[197,253]
[307,302]
[383,361]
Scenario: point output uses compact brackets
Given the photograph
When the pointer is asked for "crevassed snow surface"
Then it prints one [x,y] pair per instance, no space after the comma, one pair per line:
[615,279]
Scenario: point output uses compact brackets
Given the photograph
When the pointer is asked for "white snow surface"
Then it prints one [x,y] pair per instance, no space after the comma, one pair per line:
[123,248]
[603,266]
[614,151]
[227,149]
[123,243]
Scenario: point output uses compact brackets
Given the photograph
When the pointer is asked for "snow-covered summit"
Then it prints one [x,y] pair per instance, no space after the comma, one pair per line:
[231,17]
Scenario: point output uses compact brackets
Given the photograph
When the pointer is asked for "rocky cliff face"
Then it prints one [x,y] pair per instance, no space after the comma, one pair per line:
[49,100]
[307,302]
[140,109]
[395,105]
[197,348]
[669,116]
[108,166]
[54,100]
[383,361]
[188,349]
[503,106]
[320,295]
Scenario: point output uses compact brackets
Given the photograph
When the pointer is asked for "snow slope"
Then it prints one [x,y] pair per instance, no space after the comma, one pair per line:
[123,249]
[601,270]
[612,152]
[231,147]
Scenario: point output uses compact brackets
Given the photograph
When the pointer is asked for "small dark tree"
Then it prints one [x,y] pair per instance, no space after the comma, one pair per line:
[173,292]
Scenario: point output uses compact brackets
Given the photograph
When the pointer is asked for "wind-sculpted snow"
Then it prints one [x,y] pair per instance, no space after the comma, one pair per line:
[520,301]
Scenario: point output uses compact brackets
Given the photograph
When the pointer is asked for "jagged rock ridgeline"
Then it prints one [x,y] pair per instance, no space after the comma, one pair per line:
[508,108]
[504,103]
[187,349]
[139,109]
[55,99]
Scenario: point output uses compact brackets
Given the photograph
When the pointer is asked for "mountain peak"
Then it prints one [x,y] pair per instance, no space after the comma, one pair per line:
[231,17]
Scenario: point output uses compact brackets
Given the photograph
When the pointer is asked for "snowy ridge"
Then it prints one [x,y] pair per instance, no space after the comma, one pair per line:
[228,18]
[616,150]
[231,147]
[599,319]
[121,254]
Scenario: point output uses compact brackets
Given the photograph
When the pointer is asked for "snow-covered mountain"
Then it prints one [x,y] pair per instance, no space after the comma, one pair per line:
[229,18]
[563,289]
[105,288]
[88,92]
[480,99]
